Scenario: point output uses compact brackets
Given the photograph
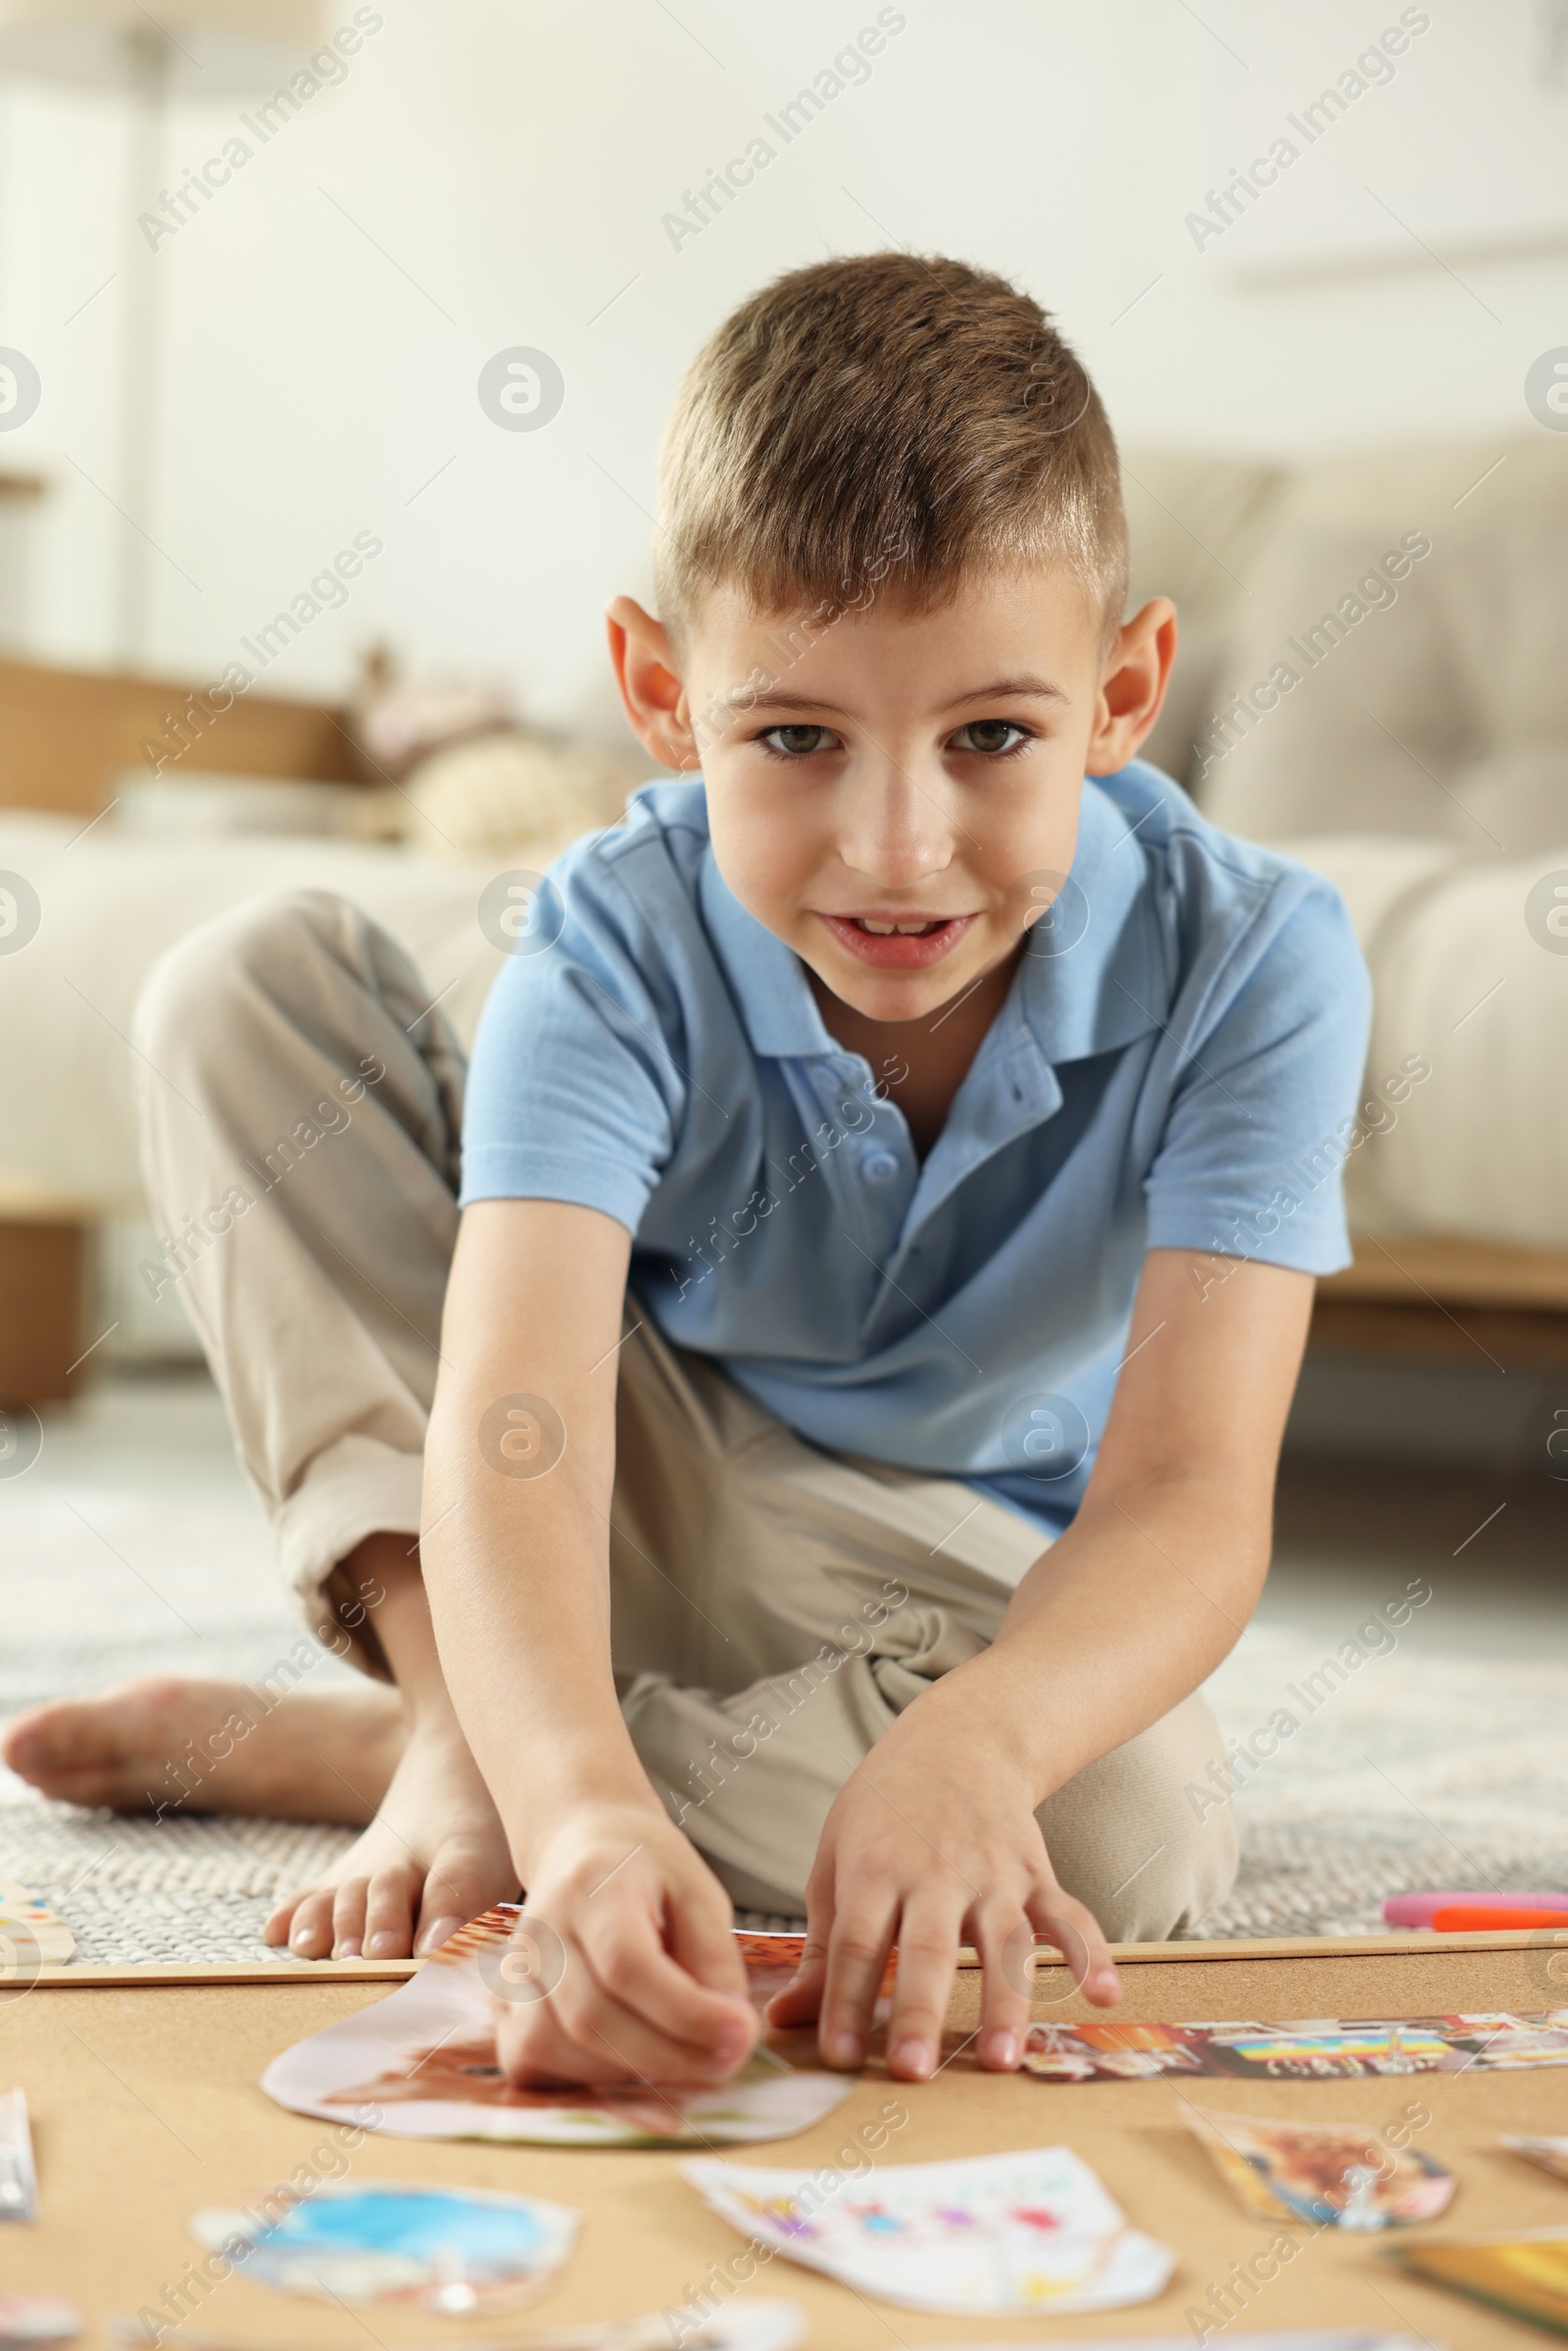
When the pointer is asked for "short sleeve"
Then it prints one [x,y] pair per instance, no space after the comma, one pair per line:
[575,1091]
[1263,1116]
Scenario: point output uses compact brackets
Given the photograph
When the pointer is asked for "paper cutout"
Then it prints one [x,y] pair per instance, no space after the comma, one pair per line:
[18,2177]
[1524,2274]
[1338,2174]
[1318,2048]
[1031,2232]
[1295,2338]
[422,2062]
[748,2323]
[29,2321]
[1551,2154]
[452,2250]
[744,2326]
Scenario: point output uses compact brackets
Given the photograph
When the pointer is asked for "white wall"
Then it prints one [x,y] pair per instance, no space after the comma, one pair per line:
[512,162]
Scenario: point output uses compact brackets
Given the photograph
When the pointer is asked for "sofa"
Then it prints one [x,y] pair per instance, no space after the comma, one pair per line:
[1372,677]
[1375,678]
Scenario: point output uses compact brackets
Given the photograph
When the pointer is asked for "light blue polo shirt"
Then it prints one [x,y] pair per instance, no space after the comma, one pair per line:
[1175,1066]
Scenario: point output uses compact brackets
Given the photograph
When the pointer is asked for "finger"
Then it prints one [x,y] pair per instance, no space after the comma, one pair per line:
[1006,1940]
[856,1959]
[700,1931]
[580,2034]
[928,1956]
[595,2049]
[535,2047]
[348,1919]
[1075,1932]
[632,1968]
[801,2000]
[626,2049]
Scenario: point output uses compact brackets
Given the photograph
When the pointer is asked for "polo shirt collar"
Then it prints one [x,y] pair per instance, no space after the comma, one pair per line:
[1108,986]
[767,978]
[1112,984]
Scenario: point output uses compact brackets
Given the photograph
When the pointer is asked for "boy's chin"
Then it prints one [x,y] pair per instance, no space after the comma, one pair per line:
[893,996]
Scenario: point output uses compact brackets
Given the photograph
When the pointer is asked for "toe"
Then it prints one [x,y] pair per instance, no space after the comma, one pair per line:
[435,1931]
[389,1915]
[26,1741]
[52,1741]
[460,1884]
[311,1934]
[348,1919]
[277,1925]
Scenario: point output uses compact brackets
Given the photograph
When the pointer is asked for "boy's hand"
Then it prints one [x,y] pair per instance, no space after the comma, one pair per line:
[643,1983]
[930,1843]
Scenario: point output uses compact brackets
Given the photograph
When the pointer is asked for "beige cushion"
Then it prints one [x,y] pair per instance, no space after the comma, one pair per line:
[112,903]
[1461,983]
[1443,709]
[1196,525]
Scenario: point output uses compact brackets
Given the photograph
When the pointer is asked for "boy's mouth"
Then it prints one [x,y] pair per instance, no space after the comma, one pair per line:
[900,942]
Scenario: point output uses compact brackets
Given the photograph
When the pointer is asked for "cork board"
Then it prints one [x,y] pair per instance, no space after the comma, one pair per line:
[145,2106]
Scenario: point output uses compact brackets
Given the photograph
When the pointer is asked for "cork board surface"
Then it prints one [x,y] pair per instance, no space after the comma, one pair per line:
[145,2106]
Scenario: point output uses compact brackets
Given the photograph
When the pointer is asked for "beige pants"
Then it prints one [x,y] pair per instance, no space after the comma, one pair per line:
[773,1606]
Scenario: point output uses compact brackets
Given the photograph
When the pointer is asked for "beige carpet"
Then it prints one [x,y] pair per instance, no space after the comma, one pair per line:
[133,1545]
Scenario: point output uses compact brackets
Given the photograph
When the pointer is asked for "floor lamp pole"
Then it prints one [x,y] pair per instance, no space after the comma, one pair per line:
[147,76]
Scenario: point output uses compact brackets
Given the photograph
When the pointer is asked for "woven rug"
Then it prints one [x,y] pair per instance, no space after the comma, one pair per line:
[133,1545]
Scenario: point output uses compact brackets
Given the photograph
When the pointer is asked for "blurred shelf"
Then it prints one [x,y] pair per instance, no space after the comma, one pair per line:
[1441,1299]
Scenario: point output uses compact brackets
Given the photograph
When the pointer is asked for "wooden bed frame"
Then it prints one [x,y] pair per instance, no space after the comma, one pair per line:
[1435,1300]
[64,736]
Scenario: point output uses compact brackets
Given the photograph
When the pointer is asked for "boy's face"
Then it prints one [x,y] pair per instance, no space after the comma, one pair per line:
[895,795]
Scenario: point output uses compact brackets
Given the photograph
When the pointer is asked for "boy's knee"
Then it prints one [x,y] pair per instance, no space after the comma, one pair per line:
[202,989]
[1147,1836]
[1192,1876]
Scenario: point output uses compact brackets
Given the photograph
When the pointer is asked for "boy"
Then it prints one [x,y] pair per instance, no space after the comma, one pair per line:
[851,1436]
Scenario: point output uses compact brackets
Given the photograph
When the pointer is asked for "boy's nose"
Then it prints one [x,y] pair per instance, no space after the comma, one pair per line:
[896,829]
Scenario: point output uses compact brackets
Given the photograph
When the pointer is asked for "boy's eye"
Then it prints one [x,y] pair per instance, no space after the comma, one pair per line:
[798,742]
[991,735]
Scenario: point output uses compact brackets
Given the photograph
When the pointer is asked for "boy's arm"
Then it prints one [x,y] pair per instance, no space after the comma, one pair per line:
[644,1980]
[933,1842]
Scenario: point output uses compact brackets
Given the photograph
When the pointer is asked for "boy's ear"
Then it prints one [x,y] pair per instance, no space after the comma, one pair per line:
[651,689]
[1132,686]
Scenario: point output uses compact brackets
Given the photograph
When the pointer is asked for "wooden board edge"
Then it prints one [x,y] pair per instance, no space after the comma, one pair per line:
[1249,1947]
[282,1971]
[1319,1947]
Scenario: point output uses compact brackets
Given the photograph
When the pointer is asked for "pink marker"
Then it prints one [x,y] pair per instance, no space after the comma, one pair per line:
[1416,1910]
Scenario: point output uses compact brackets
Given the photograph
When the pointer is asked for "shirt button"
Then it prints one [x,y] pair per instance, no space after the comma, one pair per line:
[879,1166]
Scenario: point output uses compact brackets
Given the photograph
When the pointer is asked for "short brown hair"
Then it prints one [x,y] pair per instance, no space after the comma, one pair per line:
[884,417]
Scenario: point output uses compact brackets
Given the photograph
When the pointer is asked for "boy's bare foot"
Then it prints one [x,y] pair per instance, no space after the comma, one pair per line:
[171,1742]
[434,1856]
